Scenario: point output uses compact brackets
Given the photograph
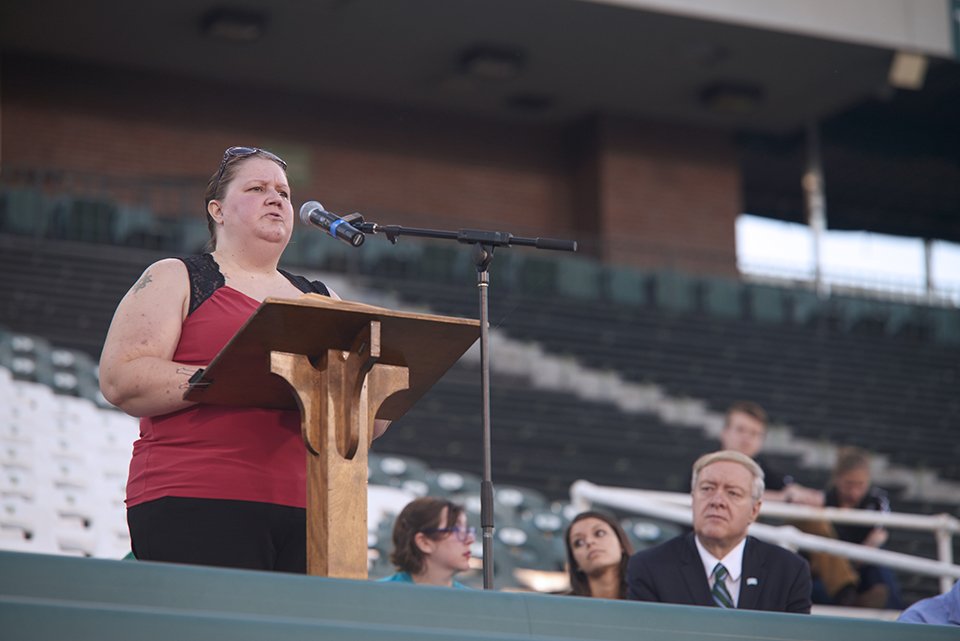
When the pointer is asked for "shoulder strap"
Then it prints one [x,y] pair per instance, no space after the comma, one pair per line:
[304,285]
[205,278]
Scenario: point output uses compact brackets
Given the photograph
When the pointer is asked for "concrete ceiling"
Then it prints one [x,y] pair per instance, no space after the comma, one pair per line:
[574,58]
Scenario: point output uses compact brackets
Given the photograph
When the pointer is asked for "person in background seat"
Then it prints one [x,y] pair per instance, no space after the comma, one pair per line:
[852,487]
[431,543]
[597,554]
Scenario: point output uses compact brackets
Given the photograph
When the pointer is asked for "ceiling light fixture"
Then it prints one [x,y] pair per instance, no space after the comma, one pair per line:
[233,25]
[907,70]
[492,63]
[732,98]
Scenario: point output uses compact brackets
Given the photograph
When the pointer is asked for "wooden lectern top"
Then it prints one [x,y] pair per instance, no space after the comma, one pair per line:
[240,374]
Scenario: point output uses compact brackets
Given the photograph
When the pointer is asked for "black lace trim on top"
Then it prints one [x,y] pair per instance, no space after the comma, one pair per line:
[205,279]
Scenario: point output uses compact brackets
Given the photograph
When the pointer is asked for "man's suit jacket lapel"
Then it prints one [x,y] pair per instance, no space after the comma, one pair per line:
[691,568]
[752,576]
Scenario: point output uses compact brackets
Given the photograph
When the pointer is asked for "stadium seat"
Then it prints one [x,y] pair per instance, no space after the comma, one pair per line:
[803,305]
[23,212]
[538,276]
[192,235]
[17,453]
[27,357]
[626,286]
[27,526]
[17,482]
[131,224]
[519,500]
[674,292]
[946,325]
[723,297]
[579,279]
[448,482]
[766,303]
[83,219]
[644,533]
[399,471]
[545,530]
[74,373]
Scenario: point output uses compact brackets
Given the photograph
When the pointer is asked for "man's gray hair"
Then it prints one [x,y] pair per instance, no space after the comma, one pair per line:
[733,457]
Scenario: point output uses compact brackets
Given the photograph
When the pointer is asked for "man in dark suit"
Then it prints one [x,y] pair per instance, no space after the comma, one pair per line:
[718,564]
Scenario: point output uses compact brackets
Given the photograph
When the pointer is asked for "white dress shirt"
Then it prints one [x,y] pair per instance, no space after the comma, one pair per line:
[733,562]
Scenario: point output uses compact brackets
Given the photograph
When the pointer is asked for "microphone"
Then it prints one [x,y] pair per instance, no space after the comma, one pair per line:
[313,213]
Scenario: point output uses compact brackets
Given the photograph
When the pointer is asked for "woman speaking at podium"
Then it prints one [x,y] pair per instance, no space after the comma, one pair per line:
[212,485]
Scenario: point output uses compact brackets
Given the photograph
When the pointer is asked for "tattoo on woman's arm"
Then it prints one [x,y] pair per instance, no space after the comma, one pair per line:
[143,282]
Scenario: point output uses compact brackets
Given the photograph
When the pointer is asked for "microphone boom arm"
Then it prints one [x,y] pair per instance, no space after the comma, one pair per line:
[466,236]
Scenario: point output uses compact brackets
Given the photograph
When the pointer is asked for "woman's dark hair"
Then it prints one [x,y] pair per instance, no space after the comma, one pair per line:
[579,584]
[221,179]
[419,515]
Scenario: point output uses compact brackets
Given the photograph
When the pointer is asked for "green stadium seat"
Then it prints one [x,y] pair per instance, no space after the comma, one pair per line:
[84,219]
[946,325]
[579,279]
[132,225]
[674,291]
[723,297]
[27,357]
[626,286]
[450,482]
[538,276]
[23,211]
[804,305]
[766,303]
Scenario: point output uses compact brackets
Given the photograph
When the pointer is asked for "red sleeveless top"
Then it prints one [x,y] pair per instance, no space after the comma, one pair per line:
[213,451]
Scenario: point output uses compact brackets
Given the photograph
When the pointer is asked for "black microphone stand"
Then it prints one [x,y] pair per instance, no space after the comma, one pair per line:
[484,242]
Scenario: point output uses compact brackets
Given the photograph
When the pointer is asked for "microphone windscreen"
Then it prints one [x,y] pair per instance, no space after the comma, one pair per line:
[308,207]
[555,243]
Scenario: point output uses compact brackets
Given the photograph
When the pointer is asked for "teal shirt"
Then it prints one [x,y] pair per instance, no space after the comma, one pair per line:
[404,577]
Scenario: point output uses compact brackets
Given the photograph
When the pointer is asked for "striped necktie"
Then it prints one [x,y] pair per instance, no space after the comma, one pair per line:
[721,596]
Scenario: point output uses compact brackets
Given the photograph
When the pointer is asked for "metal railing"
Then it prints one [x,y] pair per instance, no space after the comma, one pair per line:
[675,507]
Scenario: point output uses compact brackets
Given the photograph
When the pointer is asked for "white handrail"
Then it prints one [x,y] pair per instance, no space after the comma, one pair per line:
[779,509]
[675,507]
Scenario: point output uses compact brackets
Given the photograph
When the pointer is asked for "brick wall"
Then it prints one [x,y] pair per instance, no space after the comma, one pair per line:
[674,191]
[669,196]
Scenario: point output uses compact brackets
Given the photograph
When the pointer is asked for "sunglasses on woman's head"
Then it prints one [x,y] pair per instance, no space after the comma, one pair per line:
[244,152]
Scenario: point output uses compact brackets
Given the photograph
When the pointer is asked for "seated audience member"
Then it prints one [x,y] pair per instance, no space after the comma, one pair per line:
[718,564]
[943,609]
[851,487]
[431,543]
[835,580]
[597,555]
[744,431]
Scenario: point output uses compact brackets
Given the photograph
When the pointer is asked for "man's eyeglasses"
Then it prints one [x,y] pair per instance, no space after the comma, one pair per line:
[463,534]
[244,152]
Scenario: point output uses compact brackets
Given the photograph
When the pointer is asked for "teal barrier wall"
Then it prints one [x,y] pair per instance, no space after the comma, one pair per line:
[50,597]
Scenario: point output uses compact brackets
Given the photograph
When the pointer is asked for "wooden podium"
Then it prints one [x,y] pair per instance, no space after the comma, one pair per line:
[346,363]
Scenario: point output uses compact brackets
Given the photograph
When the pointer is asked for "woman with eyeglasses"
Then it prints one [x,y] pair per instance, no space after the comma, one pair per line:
[598,551]
[212,485]
[431,543]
